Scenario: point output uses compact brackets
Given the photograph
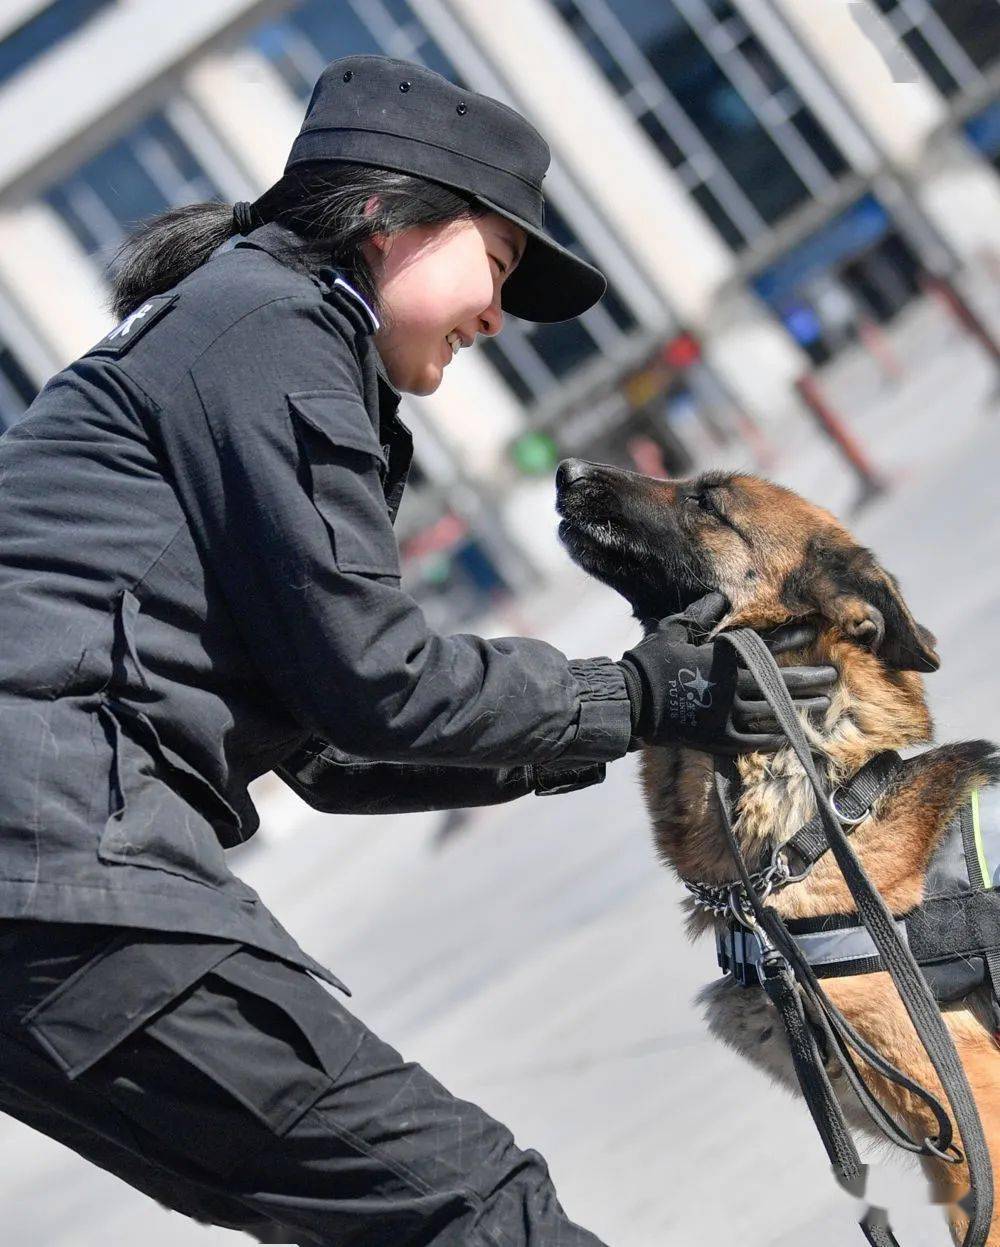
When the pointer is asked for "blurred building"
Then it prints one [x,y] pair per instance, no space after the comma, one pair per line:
[760,179]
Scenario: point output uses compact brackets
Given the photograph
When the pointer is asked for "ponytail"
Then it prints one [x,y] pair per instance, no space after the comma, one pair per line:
[325,206]
[163,251]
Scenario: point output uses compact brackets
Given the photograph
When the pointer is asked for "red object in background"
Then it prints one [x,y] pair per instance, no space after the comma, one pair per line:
[849,448]
[682,351]
[443,534]
[948,294]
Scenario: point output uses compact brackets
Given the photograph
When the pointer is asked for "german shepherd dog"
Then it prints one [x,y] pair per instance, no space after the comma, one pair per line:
[777,558]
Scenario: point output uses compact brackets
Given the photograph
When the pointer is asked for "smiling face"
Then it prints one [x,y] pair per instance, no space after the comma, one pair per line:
[437,282]
[663,544]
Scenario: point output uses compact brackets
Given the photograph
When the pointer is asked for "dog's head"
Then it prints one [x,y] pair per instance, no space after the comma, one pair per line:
[662,544]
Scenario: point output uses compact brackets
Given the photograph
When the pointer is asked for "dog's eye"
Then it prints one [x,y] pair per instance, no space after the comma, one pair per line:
[703,500]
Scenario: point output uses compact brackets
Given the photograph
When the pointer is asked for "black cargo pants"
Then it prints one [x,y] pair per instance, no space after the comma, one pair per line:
[236,1089]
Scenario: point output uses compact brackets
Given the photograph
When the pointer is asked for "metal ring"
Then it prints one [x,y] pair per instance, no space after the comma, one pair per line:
[845,820]
[788,876]
[950,1154]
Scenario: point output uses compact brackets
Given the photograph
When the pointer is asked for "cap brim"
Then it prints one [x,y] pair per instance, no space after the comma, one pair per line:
[550,283]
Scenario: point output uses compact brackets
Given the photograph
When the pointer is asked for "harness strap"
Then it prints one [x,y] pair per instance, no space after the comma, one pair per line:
[958,921]
[913,990]
[983,802]
[852,801]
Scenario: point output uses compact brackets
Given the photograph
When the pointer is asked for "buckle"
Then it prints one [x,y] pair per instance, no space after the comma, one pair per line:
[744,954]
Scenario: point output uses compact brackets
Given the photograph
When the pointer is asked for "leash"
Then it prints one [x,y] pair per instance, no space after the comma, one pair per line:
[789,981]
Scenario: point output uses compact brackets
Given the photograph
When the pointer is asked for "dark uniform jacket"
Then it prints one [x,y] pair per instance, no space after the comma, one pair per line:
[199,583]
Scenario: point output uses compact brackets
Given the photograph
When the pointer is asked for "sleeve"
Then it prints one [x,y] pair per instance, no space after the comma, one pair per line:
[279,471]
[336,783]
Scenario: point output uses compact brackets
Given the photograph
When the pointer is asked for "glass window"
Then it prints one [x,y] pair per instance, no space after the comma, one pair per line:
[953,41]
[975,26]
[715,102]
[303,41]
[43,31]
[16,387]
[144,173]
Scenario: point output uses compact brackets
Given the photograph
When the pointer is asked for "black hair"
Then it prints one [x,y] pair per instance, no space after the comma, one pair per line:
[324,206]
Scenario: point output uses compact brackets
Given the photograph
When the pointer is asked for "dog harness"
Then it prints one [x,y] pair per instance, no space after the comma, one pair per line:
[768,952]
[954,934]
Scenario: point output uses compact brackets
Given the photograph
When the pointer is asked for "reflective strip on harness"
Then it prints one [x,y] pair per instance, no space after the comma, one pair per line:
[977,831]
[957,922]
[986,828]
[827,948]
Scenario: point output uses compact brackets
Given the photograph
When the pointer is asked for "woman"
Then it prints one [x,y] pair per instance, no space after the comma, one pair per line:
[199,583]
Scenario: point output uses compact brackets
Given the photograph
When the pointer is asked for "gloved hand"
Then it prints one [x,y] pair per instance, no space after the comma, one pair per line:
[696,694]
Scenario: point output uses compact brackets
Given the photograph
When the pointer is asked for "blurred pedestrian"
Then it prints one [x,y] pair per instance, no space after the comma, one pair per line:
[199,583]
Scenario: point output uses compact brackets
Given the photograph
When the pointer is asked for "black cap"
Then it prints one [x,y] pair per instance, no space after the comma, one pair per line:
[372,110]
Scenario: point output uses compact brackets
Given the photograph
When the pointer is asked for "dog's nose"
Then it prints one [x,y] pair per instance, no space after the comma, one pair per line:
[571,470]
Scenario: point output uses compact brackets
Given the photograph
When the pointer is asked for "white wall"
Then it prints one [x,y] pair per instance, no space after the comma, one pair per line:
[960,192]
[858,52]
[109,65]
[52,280]
[248,105]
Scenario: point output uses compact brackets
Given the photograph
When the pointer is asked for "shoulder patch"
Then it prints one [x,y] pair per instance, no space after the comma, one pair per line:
[131,329]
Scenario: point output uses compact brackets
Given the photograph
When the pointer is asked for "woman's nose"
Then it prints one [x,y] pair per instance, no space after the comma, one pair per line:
[491,319]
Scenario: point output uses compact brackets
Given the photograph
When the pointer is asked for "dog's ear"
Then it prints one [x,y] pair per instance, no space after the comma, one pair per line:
[847,586]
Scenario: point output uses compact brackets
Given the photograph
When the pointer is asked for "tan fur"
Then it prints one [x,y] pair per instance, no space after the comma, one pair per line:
[874,708]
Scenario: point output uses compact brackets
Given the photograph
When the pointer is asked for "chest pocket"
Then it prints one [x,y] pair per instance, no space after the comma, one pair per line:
[346,467]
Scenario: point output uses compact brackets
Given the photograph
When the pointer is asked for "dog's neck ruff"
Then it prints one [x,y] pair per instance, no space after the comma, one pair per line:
[792,860]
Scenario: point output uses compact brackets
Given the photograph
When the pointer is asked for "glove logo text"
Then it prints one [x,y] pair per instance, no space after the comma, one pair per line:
[696,687]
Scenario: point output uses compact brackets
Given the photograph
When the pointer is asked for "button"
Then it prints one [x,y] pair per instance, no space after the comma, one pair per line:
[462,109]
[349,75]
[404,87]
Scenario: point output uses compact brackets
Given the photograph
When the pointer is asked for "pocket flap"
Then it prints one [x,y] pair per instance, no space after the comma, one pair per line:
[345,465]
[117,991]
[340,418]
[275,1066]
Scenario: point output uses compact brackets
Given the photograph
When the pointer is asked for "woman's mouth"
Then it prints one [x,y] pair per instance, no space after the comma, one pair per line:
[455,342]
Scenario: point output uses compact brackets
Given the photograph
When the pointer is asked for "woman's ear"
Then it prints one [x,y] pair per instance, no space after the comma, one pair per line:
[379,241]
[848,587]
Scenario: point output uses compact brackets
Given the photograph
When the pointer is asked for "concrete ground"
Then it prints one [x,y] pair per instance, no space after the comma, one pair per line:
[535,963]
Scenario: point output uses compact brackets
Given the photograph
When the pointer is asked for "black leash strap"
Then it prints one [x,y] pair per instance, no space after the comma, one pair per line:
[896,957]
[777,972]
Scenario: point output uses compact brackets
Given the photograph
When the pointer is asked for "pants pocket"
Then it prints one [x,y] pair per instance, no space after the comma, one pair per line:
[129,979]
[266,1032]
[230,1064]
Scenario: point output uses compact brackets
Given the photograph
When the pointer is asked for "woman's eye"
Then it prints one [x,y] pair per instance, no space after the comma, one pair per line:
[499,263]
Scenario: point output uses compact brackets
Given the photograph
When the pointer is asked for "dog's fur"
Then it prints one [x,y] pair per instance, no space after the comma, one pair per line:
[777,558]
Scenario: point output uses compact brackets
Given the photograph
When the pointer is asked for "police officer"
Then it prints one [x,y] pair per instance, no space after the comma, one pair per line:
[199,584]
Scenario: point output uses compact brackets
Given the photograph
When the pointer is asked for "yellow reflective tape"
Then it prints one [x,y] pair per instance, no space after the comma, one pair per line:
[978,836]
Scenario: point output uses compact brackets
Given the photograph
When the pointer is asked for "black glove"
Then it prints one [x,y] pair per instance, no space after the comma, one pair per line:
[696,694]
